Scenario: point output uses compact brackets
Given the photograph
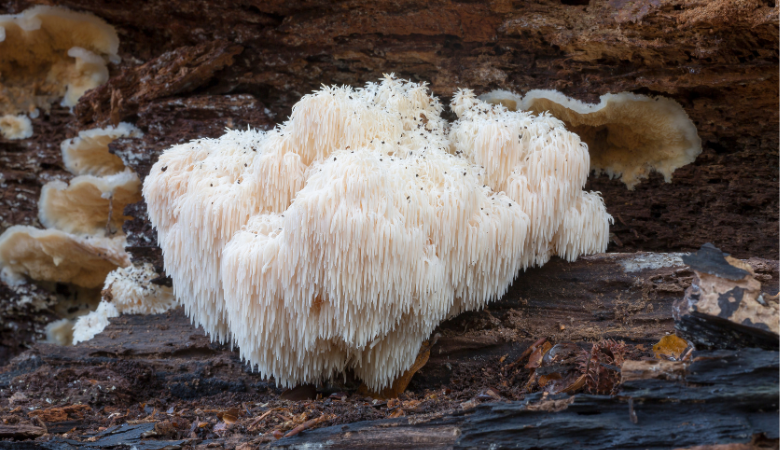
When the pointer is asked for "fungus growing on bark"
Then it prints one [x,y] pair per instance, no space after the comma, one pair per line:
[342,238]
[88,325]
[628,135]
[89,205]
[15,127]
[88,153]
[60,332]
[507,99]
[126,291]
[47,53]
[53,255]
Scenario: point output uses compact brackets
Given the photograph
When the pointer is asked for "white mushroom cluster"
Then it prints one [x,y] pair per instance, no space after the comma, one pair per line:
[342,238]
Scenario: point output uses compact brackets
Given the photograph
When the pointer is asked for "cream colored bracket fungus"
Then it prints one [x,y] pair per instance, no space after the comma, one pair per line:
[89,205]
[628,135]
[15,127]
[53,255]
[77,247]
[87,154]
[47,53]
[342,238]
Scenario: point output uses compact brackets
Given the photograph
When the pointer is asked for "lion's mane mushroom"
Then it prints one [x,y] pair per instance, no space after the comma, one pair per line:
[628,135]
[541,166]
[89,205]
[50,52]
[342,238]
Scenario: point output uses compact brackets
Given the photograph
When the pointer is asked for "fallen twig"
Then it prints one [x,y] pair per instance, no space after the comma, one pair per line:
[527,352]
[307,424]
[259,419]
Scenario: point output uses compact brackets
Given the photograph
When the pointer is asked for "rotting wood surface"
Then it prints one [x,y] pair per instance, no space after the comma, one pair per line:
[713,405]
[161,370]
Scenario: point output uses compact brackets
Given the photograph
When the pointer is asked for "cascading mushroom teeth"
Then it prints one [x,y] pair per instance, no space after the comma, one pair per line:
[342,238]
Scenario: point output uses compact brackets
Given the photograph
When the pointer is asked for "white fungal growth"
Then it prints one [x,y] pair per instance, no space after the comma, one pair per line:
[342,238]
[628,135]
[132,291]
[88,325]
[15,127]
[126,291]
[89,205]
[87,154]
[47,53]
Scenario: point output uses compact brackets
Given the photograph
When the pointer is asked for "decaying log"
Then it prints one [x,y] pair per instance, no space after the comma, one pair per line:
[22,431]
[619,296]
[724,396]
[177,72]
[717,397]
[725,307]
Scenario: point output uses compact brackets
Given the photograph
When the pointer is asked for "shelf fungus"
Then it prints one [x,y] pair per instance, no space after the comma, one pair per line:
[83,241]
[342,238]
[89,205]
[53,255]
[628,135]
[49,53]
[88,154]
[15,126]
